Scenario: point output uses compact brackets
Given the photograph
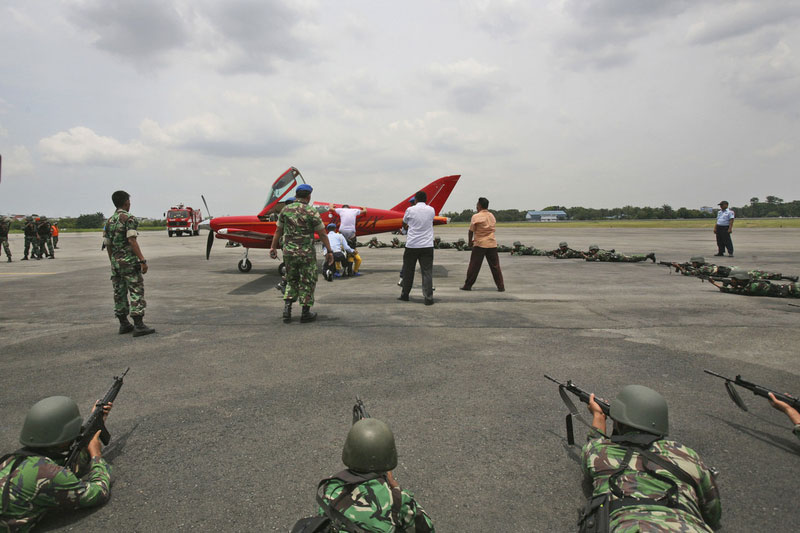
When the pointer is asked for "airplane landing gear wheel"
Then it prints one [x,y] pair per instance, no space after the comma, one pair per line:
[245,265]
[282,269]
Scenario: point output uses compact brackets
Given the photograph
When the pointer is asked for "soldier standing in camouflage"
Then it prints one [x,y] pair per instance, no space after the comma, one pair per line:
[644,481]
[297,224]
[5,226]
[34,480]
[127,266]
[30,237]
[366,495]
[44,231]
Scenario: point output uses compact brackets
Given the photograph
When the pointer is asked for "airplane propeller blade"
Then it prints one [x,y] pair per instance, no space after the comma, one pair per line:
[209,242]
[205,204]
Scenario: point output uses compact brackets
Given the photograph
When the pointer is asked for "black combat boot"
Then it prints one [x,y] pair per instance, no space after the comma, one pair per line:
[308,315]
[124,325]
[9,258]
[24,258]
[287,311]
[140,328]
[652,256]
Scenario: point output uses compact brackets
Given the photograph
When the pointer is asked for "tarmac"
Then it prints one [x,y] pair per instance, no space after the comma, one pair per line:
[228,418]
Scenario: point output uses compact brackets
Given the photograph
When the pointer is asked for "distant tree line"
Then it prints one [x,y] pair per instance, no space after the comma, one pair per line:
[90,221]
[771,207]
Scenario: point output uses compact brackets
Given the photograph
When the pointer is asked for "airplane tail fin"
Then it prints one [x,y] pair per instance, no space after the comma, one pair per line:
[438,191]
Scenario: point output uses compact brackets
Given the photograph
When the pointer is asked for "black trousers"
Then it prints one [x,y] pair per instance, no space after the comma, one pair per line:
[475,262]
[724,240]
[425,258]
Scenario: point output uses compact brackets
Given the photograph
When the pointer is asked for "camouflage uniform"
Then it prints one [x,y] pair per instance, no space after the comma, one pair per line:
[30,238]
[566,253]
[370,505]
[724,272]
[126,272]
[503,248]
[5,226]
[397,244]
[526,250]
[764,288]
[461,245]
[442,245]
[39,483]
[299,221]
[44,233]
[701,512]
[375,243]
[607,256]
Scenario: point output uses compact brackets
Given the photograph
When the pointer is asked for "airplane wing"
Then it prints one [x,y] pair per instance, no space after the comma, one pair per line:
[224,233]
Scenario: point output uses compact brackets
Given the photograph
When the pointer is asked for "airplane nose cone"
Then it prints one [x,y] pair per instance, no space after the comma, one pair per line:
[206,224]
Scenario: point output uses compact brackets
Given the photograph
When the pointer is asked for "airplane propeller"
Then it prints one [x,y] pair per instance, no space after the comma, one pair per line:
[210,241]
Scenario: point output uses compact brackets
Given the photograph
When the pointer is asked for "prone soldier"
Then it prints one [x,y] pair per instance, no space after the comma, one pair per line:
[742,283]
[596,254]
[440,244]
[366,496]
[502,248]
[462,245]
[397,244]
[35,478]
[699,267]
[565,252]
[375,243]
[519,249]
[641,480]
[5,226]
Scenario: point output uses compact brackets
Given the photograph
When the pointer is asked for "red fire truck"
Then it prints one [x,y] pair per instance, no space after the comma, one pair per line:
[182,219]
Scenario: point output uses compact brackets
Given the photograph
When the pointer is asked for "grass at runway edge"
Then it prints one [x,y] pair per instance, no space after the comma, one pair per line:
[657,224]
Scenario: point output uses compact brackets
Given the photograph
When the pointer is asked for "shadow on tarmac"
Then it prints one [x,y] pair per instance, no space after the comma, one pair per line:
[781,443]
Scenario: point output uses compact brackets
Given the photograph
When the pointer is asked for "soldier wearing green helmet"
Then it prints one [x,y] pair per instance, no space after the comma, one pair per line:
[641,480]
[365,496]
[742,282]
[520,249]
[34,479]
[697,266]
[565,252]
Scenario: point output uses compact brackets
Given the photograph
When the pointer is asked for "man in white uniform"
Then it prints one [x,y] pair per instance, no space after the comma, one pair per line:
[723,229]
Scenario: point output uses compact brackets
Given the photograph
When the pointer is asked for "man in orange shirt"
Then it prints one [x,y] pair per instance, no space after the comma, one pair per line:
[481,238]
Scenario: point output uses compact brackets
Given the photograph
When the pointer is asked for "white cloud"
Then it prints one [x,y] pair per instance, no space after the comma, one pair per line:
[17,162]
[471,86]
[727,21]
[82,146]
[776,150]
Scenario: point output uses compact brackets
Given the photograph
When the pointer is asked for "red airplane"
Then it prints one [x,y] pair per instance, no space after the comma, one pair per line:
[256,231]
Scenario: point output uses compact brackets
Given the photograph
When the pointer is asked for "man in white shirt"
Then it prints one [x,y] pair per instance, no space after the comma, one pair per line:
[338,247]
[723,229]
[418,223]
[347,221]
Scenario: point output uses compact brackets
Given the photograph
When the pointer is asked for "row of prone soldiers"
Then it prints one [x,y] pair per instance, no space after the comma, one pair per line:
[41,237]
[732,279]
[595,253]
[640,479]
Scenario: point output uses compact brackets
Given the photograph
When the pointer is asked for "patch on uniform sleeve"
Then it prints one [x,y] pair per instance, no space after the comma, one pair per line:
[131,233]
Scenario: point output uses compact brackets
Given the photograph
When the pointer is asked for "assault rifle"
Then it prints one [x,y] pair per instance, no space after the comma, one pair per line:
[359,410]
[94,423]
[720,279]
[569,386]
[758,390]
[671,265]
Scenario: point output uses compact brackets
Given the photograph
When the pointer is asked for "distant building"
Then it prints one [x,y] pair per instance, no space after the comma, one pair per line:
[545,216]
[706,209]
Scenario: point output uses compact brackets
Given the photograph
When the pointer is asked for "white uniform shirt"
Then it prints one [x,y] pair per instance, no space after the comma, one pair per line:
[724,217]
[419,218]
[338,242]
[347,218]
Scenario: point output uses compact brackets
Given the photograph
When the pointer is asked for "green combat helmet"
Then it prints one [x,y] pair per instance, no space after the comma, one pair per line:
[740,274]
[517,243]
[642,408]
[593,248]
[698,259]
[29,218]
[370,447]
[461,240]
[563,244]
[50,422]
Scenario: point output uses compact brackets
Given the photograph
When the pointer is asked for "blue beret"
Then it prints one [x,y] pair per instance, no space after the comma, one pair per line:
[304,187]
[331,225]
[290,200]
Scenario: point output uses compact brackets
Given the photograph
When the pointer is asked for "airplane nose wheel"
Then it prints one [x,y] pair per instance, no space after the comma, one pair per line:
[245,265]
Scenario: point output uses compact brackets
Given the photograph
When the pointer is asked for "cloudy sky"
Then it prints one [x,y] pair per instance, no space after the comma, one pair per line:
[570,102]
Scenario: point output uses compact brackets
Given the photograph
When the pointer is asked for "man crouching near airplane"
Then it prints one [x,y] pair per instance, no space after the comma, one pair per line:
[297,223]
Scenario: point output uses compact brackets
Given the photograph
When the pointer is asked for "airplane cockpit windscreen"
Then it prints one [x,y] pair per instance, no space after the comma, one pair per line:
[177,214]
[287,181]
